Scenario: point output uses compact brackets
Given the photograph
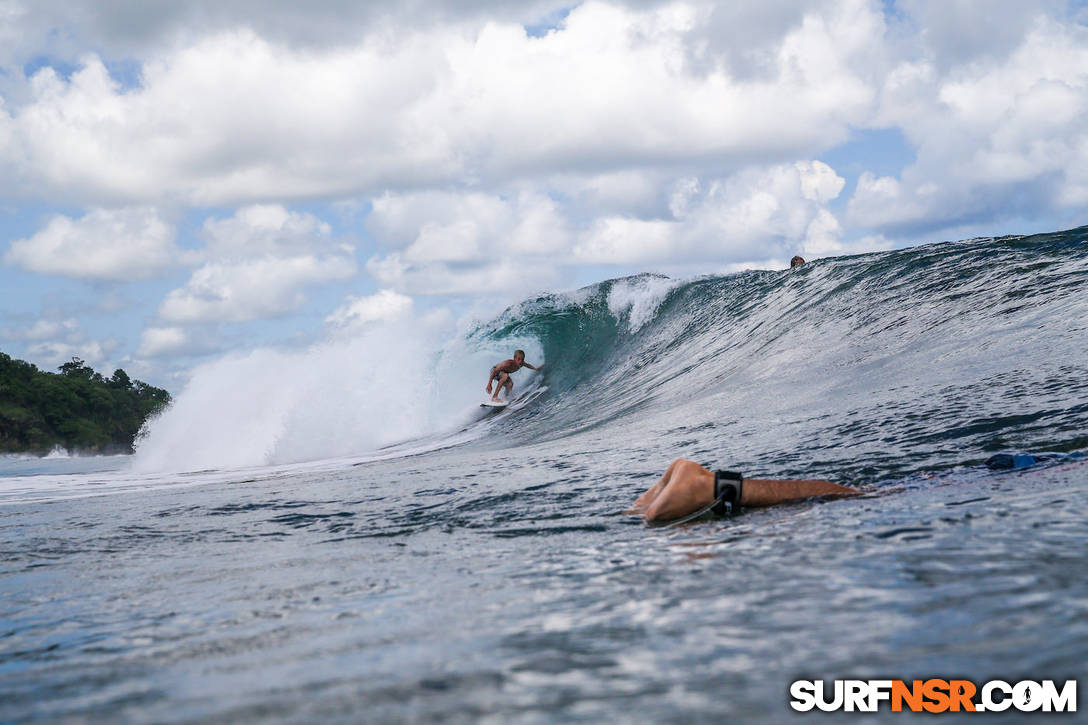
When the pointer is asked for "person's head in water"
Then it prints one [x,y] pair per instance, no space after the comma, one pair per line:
[797,261]
[519,356]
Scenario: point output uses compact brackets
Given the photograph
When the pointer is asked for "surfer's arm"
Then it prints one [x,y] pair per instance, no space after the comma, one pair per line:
[686,487]
[527,365]
[769,491]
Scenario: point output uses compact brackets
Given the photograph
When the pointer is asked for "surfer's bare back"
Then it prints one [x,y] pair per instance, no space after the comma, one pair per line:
[687,487]
[500,374]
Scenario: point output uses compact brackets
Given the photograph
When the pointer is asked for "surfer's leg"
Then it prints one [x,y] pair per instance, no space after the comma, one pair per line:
[502,379]
[689,488]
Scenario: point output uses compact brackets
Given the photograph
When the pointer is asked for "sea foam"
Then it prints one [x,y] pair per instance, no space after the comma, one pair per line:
[347,396]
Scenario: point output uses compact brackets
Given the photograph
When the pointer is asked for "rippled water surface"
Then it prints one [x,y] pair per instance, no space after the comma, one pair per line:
[520,594]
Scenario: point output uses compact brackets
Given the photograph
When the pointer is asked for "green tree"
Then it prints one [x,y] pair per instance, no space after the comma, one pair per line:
[77,408]
[120,380]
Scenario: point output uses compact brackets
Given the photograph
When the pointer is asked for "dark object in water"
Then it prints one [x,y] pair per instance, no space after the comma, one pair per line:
[1011,460]
[1023,460]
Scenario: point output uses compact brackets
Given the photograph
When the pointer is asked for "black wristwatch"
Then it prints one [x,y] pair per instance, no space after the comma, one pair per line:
[727,491]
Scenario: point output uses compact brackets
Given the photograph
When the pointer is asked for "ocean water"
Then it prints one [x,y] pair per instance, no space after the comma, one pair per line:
[321,550]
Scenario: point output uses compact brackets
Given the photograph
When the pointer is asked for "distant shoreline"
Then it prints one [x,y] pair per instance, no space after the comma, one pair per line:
[77,410]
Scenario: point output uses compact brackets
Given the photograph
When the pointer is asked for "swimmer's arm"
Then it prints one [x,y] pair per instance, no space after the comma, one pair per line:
[527,365]
[769,491]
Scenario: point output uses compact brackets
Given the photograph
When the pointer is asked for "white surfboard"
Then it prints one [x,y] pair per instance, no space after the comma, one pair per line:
[494,403]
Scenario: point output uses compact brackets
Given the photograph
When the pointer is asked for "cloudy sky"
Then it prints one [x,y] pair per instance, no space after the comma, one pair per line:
[179,180]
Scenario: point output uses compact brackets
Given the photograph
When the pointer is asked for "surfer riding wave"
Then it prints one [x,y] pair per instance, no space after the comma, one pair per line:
[500,374]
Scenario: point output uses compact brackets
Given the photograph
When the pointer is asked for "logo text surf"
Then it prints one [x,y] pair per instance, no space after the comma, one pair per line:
[933,695]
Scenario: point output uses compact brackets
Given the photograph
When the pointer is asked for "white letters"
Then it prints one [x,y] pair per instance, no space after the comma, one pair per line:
[878,690]
[854,695]
[987,695]
[836,703]
[803,693]
[951,695]
[1065,701]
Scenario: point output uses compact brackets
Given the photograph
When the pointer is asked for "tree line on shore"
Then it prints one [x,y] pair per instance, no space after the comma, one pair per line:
[77,408]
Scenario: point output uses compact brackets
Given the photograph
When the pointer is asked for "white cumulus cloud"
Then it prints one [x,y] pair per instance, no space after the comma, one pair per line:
[258,264]
[42,330]
[105,244]
[758,214]
[157,341]
[242,291]
[235,116]
[356,312]
[56,352]
[448,243]
[999,137]
[54,341]
[454,243]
